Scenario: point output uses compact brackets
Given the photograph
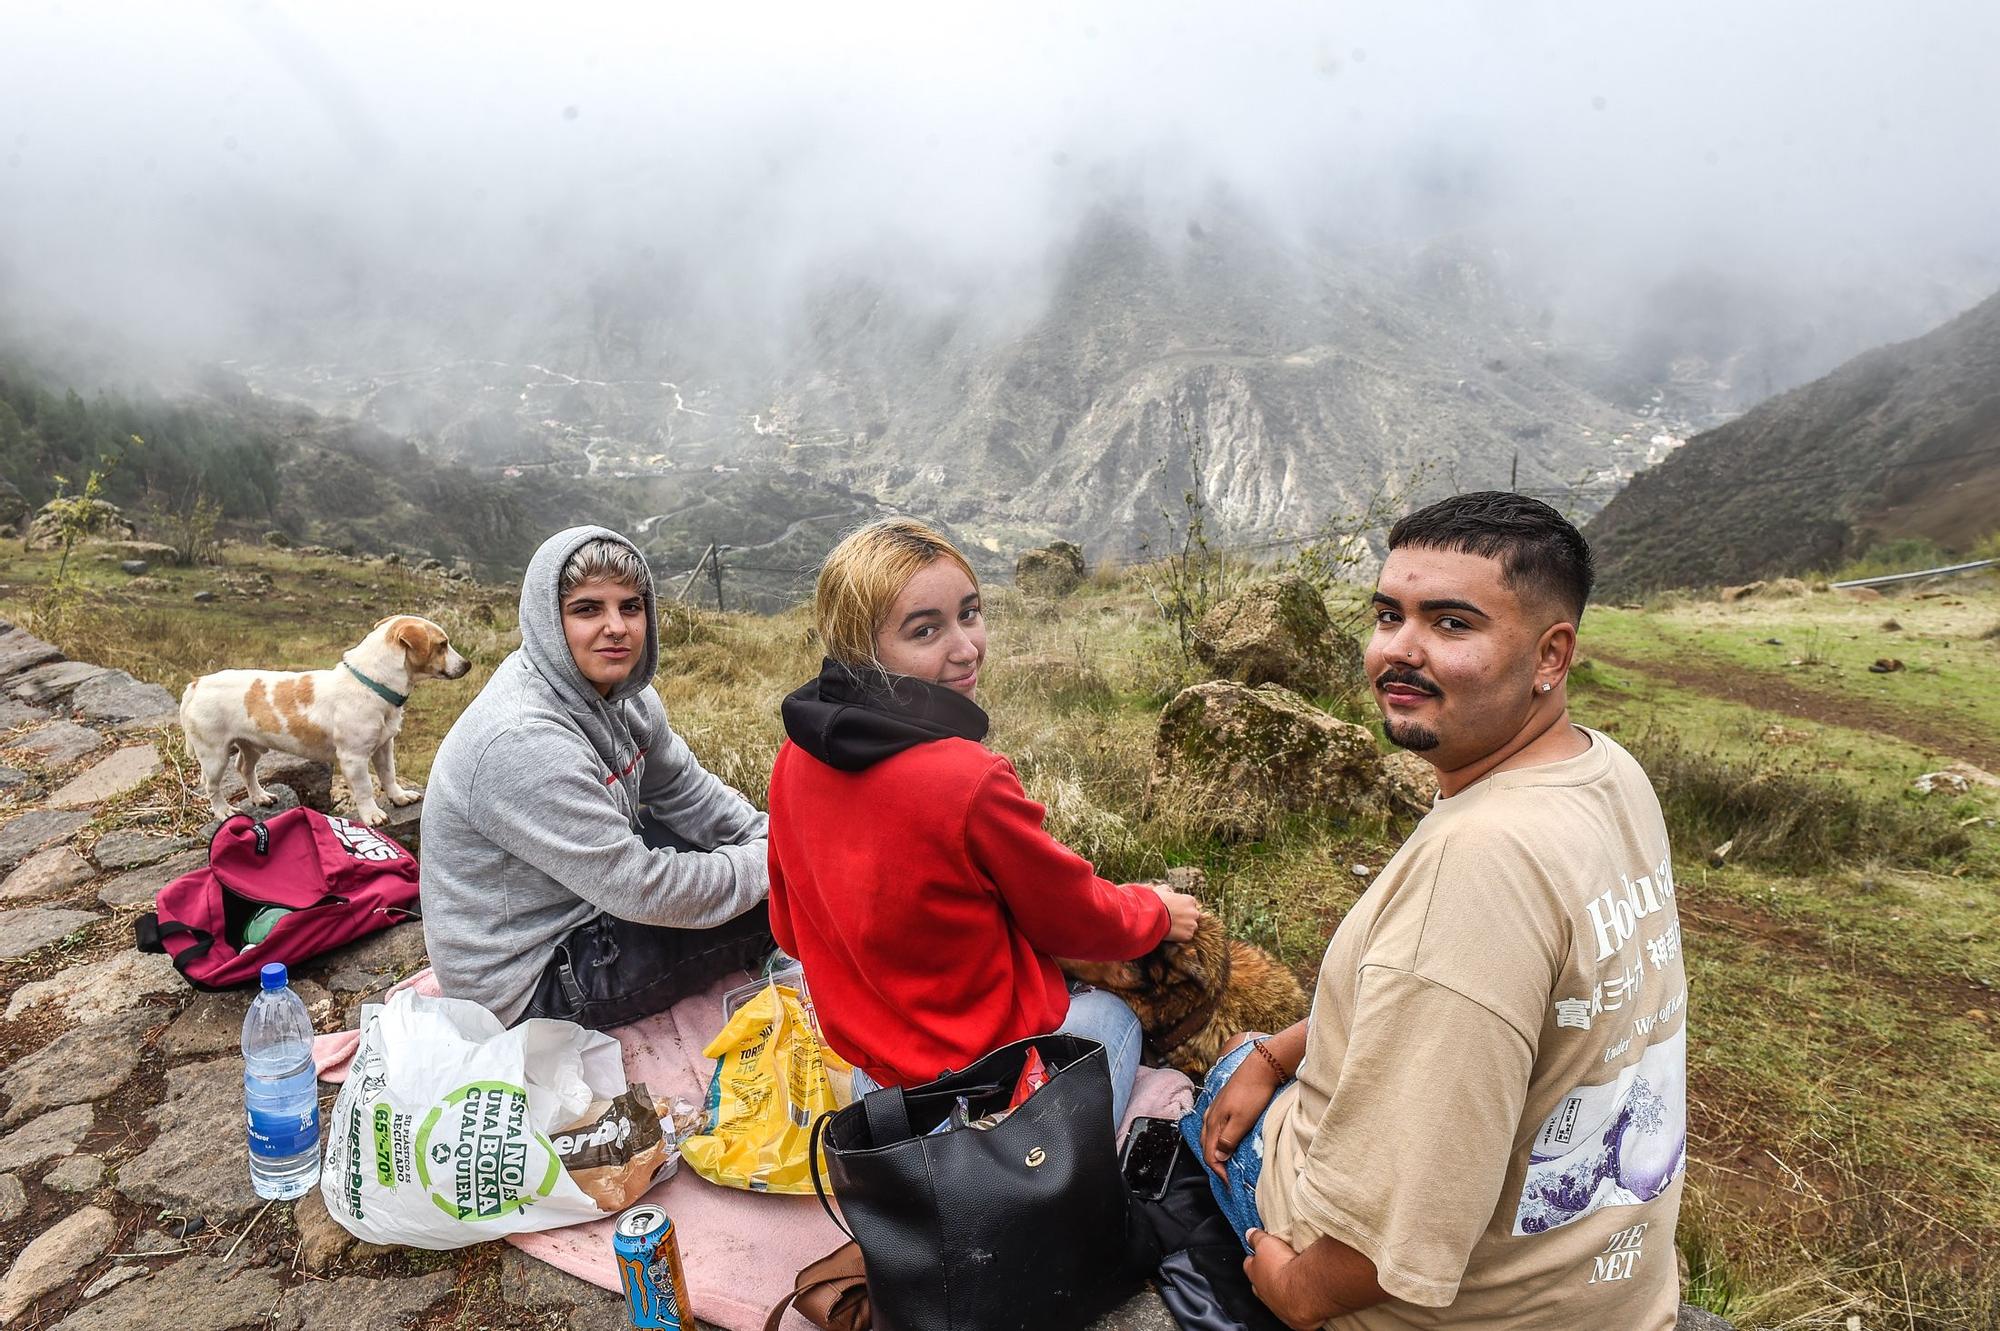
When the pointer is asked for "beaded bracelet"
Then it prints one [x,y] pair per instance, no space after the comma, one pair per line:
[1271,1058]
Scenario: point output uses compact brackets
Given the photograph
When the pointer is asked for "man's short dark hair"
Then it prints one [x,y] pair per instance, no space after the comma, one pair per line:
[1538,549]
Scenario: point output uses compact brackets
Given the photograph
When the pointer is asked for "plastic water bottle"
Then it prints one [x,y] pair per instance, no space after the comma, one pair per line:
[280,1092]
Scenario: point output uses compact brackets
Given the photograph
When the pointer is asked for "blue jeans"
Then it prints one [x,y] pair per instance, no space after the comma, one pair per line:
[1236,1191]
[1095,1014]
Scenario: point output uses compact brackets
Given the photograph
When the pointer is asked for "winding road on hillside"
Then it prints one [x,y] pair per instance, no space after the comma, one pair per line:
[789,531]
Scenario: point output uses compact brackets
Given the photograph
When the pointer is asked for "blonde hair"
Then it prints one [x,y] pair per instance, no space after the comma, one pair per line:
[863,576]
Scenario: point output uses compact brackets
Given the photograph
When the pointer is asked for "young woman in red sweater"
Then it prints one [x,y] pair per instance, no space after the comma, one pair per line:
[910,872]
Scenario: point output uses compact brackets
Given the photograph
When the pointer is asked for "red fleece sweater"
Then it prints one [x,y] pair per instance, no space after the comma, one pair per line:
[925,901]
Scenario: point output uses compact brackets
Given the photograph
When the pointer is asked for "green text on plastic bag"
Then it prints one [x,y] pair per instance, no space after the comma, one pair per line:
[492,1145]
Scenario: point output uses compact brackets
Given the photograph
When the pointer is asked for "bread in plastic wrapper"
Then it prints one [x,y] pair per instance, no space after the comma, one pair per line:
[615,1151]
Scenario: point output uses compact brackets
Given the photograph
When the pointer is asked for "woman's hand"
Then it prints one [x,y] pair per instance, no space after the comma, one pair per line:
[1234,1111]
[1183,913]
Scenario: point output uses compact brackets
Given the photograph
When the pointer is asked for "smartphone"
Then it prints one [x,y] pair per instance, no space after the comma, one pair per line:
[1148,1159]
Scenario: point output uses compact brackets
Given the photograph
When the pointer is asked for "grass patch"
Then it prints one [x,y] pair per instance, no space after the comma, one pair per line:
[1901,555]
[1949,684]
[1710,1284]
[1844,1127]
[1775,816]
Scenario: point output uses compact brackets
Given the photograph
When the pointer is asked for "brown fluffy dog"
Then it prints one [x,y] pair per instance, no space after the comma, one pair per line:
[1191,997]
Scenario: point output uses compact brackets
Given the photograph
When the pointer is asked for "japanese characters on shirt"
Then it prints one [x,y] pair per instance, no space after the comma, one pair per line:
[1622,1141]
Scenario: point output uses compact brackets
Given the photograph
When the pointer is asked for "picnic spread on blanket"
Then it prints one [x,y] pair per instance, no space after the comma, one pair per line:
[496,1161]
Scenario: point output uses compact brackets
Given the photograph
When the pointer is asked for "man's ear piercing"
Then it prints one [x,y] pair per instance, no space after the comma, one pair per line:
[1547,687]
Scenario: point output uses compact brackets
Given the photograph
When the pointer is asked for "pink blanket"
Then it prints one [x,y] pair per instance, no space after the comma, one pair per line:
[740,1249]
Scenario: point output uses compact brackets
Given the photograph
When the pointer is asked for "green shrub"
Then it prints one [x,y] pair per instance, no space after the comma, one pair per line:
[1710,1284]
[1778,816]
[1903,555]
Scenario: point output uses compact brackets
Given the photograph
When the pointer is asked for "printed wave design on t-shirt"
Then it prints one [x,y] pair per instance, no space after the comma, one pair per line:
[1619,1143]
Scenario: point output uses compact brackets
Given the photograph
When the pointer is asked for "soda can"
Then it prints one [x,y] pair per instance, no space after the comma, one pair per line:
[649,1267]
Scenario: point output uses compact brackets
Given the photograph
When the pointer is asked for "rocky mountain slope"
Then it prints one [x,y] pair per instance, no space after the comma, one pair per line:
[1311,377]
[1312,372]
[1902,441]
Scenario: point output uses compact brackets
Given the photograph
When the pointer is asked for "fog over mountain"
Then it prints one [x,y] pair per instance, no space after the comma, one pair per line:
[845,242]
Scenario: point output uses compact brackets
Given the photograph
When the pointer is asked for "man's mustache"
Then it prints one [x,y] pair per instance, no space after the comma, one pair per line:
[1408,679]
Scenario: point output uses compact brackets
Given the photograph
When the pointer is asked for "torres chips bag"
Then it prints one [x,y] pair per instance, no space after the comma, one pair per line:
[771,1081]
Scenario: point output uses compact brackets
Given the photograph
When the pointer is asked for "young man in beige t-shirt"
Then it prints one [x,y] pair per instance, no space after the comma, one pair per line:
[1483,1122]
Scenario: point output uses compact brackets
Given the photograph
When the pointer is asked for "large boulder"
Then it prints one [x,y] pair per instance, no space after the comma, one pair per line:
[1236,759]
[14,506]
[102,520]
[1278,632]
[1409,784]
[1055,569]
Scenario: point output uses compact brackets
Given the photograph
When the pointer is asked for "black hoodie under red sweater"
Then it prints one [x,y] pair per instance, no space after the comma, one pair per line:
[911,875]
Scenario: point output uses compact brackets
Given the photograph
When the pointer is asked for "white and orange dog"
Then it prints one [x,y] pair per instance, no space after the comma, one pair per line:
[348,716]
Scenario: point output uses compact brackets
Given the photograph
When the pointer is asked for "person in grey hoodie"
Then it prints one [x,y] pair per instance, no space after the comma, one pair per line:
[578,862]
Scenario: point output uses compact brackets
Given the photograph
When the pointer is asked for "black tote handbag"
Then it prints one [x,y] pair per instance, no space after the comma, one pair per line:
[1018,1227]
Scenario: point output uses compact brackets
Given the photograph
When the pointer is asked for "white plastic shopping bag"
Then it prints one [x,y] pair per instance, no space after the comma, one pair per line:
[440,1136]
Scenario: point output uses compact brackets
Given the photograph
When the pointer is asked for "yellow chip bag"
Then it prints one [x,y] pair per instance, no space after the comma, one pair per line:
[770,1083]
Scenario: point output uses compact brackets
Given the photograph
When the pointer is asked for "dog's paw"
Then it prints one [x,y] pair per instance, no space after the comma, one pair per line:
[406,795]
[373,815]
[264,797]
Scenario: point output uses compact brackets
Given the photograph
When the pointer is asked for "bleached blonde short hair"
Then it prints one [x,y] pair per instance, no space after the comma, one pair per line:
[602,557]
[862,577]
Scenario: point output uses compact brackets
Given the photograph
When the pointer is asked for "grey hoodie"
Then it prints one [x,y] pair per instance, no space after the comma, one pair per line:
[531,817]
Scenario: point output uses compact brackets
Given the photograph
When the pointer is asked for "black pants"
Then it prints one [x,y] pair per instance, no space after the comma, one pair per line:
[608,971]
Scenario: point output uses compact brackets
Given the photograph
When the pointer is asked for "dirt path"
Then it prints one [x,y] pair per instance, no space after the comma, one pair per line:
[1771,693]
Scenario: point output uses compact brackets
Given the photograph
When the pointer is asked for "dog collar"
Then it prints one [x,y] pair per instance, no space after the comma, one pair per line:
[382,691]
[1186,1028]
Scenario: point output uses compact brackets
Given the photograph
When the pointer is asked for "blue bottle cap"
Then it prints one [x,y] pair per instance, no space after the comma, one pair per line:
[273,975]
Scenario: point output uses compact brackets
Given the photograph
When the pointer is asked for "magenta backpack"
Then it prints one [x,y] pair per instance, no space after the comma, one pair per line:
[339,880]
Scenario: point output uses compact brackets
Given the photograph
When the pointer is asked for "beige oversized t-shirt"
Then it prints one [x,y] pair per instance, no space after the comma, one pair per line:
[1493,1101]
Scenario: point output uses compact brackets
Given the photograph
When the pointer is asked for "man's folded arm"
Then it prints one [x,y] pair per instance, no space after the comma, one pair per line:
[552,810]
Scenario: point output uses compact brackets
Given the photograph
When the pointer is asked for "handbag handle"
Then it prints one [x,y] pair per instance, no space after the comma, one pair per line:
[888,1116]
[888,1121]
[843,1264]
[813,1139]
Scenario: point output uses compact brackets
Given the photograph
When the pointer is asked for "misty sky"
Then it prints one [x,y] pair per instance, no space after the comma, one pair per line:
[164,168]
